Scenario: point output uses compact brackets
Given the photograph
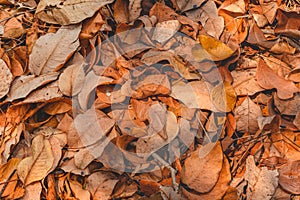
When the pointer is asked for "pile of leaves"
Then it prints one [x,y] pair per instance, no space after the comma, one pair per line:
[145,99]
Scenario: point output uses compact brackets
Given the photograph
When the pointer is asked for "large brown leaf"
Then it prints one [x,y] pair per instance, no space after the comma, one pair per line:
[6,78]
[268,79]
[201,173]
[52,50]
[68,12]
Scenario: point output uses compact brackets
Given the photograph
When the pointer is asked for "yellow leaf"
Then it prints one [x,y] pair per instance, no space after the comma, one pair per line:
[211,49]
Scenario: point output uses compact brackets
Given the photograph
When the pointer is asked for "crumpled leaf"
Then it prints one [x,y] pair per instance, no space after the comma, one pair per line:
[6,78]
[69,11]
[246,116]
[207,14]
[24,85]
[211,48]
[268,79]
[37,166]
[201,172]
[52,50]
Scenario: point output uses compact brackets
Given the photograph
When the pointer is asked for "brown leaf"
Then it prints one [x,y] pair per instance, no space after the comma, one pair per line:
[37,166]
[71,80]
[6,78]
[33,191]
[207,14]
[92,26]
[289,106]
[219,189]
[288,24]
[246,116]
[188,5]
[165,30]
[223,97]
[244,82]
[148,145]
[12,26]
[261,182]
[51,51]
[101,185]
[268,79]
[69,11]
[202,169]
[195,94]
[24,85]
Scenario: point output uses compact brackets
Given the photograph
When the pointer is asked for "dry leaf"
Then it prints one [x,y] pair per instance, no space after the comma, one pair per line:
[202,169]
[188,5]
[261,182]
[244,82]
[24,85]
[37,166]
[268,79]
[69,11]
[215,49]
[246,116]
[33,191]
[223,97]
[51,51]
[6,78]
[101,185]
[71,80]
[195,94]
[148,145]
[219,189]
[165,30]
[207,14]
[288,106]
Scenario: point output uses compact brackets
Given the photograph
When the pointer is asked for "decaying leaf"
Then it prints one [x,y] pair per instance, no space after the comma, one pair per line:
[223,97]
[24,85]
[165,30]
[68,12]
[52,50]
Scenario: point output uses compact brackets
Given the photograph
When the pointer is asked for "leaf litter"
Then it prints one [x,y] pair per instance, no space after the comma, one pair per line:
[142,99]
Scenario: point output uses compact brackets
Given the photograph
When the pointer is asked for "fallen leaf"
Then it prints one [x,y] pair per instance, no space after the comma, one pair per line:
[219,189]
[207,14]
[288,24]
[268,79]
[214,48]
[288,106]
[69,11]
[201,173]
[165,30]
[51,51]
[245,83]
[188,5]
[37,166]
[261,181]
[71,80]
[24,85]
[101,185]
[223,97]
[147,145]
[195,94]
[33,191]
[246,116]
[6,78]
